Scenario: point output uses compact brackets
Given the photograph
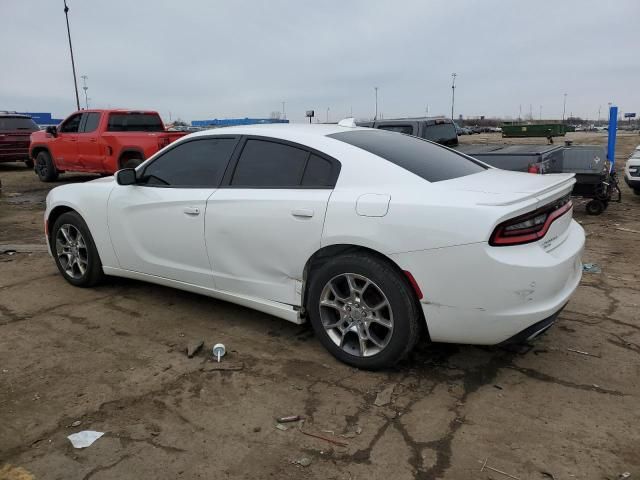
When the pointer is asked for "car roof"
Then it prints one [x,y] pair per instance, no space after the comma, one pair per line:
[279,130]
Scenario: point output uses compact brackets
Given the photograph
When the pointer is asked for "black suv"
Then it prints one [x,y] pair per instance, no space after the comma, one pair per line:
[15,135]
[440,130]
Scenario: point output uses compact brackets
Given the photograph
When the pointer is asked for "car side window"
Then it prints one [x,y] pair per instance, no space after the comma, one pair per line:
[91,122]
[72,124]
[195,163]
[406,129]
[318,173]
[266,164]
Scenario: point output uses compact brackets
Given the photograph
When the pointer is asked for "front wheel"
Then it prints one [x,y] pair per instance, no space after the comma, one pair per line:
[75,252]
[363,311]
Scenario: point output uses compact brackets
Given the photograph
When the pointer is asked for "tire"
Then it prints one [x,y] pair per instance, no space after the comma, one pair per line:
[29,163]
[69,246]
[45,168]
[385,284]
[131,162]
[595,207]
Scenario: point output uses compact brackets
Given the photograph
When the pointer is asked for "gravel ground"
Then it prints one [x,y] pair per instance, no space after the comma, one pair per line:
[112,359]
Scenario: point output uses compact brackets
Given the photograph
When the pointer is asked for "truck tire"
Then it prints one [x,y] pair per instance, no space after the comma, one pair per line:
[132,162]
[45,168]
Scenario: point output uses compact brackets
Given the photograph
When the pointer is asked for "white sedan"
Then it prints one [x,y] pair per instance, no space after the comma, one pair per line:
[373,236]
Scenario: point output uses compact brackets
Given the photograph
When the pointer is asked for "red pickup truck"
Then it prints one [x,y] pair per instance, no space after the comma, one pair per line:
[98,141]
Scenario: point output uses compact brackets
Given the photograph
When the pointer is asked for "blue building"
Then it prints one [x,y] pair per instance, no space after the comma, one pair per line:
[230,122]
[43,118]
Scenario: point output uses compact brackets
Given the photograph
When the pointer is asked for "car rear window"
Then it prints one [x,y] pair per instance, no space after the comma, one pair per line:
[8,124]
[441,133]
[425,159]
[135,122]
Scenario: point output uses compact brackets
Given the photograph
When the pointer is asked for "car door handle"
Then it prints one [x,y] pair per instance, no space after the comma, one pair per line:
[302,212]
[192,211]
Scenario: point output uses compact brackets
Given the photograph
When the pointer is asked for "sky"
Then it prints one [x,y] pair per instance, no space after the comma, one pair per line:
[202,59]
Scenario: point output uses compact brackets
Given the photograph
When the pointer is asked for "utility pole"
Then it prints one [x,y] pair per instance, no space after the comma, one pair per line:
[85,88]
[564,107]
[375,117]
[73,64]
[453,92]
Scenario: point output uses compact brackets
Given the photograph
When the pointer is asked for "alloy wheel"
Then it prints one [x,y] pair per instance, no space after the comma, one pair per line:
[356,314]
[71,250]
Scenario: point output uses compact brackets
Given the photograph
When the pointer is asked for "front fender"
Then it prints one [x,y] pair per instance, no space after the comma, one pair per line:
[90,201]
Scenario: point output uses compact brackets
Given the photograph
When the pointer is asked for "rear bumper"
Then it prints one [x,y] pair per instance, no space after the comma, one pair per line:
[534,330]
[477,294]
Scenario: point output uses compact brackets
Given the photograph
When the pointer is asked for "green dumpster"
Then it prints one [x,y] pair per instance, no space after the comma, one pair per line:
[534,130]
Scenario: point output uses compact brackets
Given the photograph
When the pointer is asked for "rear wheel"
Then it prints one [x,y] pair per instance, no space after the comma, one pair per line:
[45,168]
[75,252]
[595,207]
[363,311]
[131,162]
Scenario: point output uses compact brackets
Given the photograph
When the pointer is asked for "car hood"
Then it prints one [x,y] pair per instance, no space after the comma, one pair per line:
[502,187]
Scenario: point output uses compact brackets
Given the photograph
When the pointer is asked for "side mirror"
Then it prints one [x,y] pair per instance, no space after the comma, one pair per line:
[52,130]
[126,176]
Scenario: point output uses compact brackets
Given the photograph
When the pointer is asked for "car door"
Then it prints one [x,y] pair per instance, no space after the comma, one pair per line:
[157,225]
[266,220]
[65,148]
[91,152]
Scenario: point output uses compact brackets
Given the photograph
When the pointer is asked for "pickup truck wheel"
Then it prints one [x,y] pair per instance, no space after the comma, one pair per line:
[45,168]
[75,252]
[28,163]
[131,162]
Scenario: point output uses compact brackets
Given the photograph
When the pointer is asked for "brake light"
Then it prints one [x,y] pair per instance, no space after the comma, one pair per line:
[531,226]
[533,168]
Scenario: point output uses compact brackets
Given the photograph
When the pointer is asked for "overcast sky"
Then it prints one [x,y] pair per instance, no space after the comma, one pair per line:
[202,59]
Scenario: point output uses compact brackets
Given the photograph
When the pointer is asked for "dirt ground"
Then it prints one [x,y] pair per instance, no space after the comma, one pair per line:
[113,359]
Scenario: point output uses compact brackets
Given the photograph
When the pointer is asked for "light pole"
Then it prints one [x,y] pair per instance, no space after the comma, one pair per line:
[564,107]
[453,92]
[375,117]
[85,88]
[73,64]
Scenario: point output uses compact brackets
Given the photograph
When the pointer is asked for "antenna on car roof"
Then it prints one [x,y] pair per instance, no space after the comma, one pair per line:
[347,122]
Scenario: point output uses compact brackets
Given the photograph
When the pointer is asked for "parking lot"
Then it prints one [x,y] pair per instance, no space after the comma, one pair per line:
[113,358]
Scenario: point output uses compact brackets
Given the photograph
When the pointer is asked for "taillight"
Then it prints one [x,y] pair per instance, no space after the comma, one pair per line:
[533,168]
[531,226]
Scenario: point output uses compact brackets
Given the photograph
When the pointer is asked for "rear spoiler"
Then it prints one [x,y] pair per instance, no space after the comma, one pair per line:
[560,181]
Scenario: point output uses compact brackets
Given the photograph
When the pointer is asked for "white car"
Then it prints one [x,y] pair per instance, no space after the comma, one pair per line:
[371,235]
[632,171]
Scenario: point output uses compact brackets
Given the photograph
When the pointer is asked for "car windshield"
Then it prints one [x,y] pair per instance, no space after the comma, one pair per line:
[135,122]
[423,158]
[8,124]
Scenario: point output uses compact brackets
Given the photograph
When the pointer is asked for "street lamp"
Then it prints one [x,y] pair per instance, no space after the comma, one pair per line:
[375,117]
[73,64]
[85,88]
[453,92]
